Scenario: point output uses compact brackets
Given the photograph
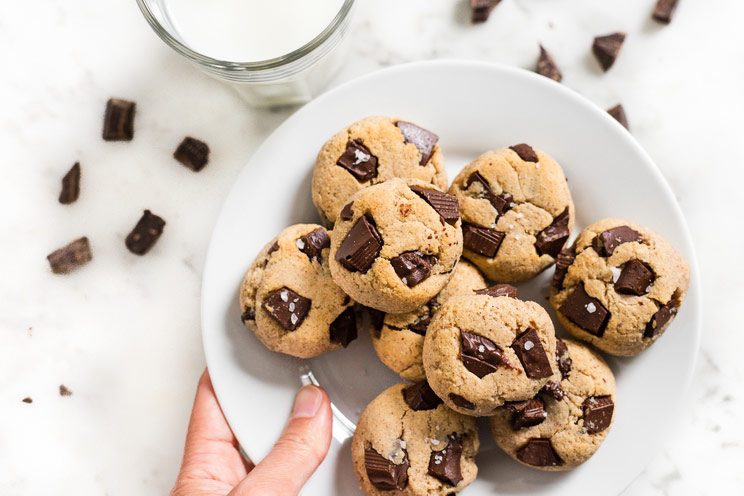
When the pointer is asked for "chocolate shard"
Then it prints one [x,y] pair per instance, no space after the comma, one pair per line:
[273,248]
[361,247]
[145,234]
[499,290]
[531,353]
[249,314]
[313,243]
[192,153]
[618,113]
[118,123]
[606,242]
[550,240]
[480,355]
[480,240]
[71,256]
[480,10]
[445,464]
[598,413]
[527,413]
[70,185]
[586,312]
[343,330]
[661,319]
[358,160]
[424,140]
[287,307]
[607,48]
[412,267]
[502,203]
[461,402]
[562,357]
[376,317]
[636,278]
[420,326]
[553,389]
[384,474]
[420,397]
[64,390]
[664,10]
[563,261]
[347,213]
[445,205]
[525,152]
[539,453]
[547,67]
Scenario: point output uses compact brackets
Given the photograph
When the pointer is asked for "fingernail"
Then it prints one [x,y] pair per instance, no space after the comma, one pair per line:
[307,402]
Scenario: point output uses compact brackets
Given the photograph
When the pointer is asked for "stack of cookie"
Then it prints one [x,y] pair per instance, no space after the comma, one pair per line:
[390,258]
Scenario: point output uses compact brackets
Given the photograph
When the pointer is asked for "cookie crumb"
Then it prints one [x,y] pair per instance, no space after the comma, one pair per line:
[63,391]
[27,400]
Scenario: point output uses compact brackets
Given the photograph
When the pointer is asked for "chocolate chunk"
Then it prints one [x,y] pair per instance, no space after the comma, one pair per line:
[376,317]
[70,185]
[482,241]
[145,234]
[313,243]
[343,330]
[502,203]
[249,314]
[412,267]
[525,152]
[606,242]
[273,248]
[445,464]
[359,161]
[499,290]
[424,140]
[598,413]
[636,278]
[553,389]
[585,311]
[118,123]
[64,391]
[361,247]
[347,213]
[27,400]
[664,10]
[287,307]
[547,67]
[562,357]
[539,453]
[192,153]
[420,396]
[420,326]
[661,319]
[531,353]
[550,240]
[527,413]
[71,256]
[461,402]
[481,9]
[606,49]
[618,113]
[384,474]
[563,261]
[444,204]
[480,355]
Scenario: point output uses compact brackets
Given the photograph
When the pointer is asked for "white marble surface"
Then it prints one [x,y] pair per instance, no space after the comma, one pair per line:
[123,332]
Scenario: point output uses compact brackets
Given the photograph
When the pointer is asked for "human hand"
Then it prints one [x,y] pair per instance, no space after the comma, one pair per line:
[213,466]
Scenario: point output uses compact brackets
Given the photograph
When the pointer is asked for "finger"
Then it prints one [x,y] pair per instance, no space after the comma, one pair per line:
[298,452]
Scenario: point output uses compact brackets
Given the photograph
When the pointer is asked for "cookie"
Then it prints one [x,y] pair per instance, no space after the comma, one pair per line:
[483,350]
[395,245]
[408,443]
[564,425]
[370,152]
[619,286]
[517,212]
[400,342]
[289,300]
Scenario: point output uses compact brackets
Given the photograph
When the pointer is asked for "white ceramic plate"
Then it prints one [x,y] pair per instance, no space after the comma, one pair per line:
[473,107]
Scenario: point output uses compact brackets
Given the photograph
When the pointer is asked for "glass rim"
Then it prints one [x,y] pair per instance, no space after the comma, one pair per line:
[256,66]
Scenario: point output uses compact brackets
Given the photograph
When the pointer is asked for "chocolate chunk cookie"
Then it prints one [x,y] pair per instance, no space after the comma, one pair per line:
[400,342]
[517,212]
[372,151]
[481,351]
[619,286]
[408,443]
[395,245]
[564,425]
[289,300]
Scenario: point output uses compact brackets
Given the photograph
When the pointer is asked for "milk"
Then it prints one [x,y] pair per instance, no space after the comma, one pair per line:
[249,30]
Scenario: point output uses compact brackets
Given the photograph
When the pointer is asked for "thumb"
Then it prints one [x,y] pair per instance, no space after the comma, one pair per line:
[298,452]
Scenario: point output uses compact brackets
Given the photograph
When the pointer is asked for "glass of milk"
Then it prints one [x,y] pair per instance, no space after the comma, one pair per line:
[274,52]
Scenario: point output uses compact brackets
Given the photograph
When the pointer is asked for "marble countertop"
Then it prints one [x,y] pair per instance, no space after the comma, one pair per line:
[123,333]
